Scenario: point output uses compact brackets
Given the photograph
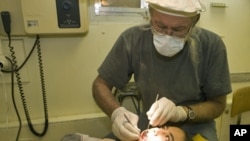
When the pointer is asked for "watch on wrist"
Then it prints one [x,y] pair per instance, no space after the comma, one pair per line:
[190,113]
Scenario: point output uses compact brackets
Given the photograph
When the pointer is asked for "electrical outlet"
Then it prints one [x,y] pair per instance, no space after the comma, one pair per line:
[18,45]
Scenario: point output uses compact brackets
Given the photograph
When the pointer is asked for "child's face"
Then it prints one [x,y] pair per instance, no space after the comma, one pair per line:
[163,134]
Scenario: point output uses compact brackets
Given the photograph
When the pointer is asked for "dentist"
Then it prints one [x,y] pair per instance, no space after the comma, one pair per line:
[171,56]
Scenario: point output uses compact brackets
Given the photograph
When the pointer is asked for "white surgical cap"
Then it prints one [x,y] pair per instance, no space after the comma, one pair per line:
[184,8]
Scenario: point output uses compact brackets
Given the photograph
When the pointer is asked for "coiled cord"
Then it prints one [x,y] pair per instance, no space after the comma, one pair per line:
[39,52]
[14,100]
[43,93]
[20,87]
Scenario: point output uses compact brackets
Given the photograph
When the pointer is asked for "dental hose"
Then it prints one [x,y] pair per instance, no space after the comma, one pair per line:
[20,87]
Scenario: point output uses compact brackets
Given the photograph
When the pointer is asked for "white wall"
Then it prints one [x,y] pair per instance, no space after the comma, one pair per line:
[70,66]
[232,23]
[70,63]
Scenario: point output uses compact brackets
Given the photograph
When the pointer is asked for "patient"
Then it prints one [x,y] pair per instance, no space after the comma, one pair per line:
[166,133]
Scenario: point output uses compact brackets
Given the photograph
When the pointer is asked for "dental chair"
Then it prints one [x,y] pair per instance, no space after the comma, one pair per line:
[240,102]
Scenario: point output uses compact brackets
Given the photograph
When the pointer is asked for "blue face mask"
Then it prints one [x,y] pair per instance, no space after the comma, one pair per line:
[168,45]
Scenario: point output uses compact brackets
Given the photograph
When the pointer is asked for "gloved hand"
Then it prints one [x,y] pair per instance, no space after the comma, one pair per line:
[165,110]
[122,128]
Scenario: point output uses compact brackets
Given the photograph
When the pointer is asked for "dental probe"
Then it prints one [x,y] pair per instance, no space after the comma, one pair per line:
[157,96]
[126,117]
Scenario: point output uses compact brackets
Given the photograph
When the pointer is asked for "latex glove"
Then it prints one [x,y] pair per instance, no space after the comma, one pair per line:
[123,129]
[165,110]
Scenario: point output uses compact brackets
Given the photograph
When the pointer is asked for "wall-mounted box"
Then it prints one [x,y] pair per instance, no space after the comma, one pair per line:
[46,16]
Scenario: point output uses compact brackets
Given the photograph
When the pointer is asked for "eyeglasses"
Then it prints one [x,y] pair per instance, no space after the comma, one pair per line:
[172,32]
